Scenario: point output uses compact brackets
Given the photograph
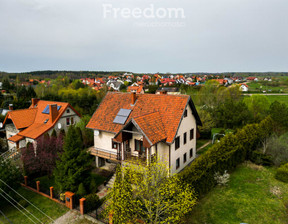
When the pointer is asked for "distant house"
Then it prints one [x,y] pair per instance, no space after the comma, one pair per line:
[114,84]
[135,88]
[252,79]
[131,127]
[168,90]
[26,125]
[244,87]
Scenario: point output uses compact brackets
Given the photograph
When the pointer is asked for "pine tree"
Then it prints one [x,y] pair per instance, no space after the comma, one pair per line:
[74,165]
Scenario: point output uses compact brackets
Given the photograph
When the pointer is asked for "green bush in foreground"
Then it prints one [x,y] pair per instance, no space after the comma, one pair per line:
[282,173]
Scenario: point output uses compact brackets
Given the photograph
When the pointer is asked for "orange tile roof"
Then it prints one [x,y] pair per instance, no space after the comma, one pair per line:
[152,126]
[16,138]
[138,89]
[170,108]
[22,118]
[34,120]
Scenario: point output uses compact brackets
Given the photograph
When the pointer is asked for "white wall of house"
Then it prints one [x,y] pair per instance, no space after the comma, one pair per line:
[104,141]
[10,131]
[186,125]
[63,120]
[163,153]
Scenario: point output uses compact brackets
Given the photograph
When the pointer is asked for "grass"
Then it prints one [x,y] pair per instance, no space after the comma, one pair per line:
[49,207]
[203,150]
[98,179]
[280,99]
[201,142]
[255,87]
[252,195]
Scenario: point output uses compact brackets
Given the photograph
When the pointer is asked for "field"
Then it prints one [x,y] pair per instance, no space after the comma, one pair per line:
[267,86]
[281,99]
[49,207]
[252,195]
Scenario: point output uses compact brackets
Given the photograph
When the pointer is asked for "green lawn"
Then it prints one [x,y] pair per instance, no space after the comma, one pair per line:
[203,150]
[281,99]
[201,142]
[252,196]
[256,87]
[51,208]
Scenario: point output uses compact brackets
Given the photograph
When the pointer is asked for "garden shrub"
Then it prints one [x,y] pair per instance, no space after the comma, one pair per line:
[282,173]
[81,190]
[260,158]
[92,202]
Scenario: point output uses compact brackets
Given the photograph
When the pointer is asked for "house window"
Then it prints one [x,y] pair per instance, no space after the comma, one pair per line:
[191,153]
[185,157]
[67,111]
[185,113]
[177,163]
[139,146]
[72,120]
[185,138]
[177,143]
[192,134]
[67,121]
[114,145]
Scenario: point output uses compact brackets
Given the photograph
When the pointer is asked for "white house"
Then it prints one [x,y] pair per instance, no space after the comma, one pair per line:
[26,125]
[244,87]
[140,127]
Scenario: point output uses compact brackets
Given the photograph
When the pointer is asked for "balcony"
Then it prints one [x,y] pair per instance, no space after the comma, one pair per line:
[106,154]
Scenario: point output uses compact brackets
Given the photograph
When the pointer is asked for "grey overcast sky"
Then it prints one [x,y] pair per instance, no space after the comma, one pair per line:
[144,35]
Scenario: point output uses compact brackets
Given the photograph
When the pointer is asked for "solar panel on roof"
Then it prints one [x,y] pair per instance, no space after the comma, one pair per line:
[124,112]
[120,120]
[122,116]
[47,110]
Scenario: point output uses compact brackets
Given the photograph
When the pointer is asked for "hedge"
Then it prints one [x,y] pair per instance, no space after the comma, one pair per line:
[232,150]
[282,173]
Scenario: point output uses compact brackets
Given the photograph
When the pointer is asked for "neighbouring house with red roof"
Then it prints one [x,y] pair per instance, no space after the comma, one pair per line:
[142,127]
[26,125]
[135,88]
[252,79]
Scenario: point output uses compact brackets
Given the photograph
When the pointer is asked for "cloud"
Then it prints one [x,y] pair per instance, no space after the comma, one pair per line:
[215,35]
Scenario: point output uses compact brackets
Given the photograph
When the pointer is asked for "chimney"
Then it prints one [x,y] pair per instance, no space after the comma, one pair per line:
[10,106]
[133,98]
[53,112]
[34,101]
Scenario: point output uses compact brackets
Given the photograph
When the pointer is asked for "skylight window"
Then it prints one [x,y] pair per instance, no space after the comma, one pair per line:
[46,121]
[122,116]
[47,110]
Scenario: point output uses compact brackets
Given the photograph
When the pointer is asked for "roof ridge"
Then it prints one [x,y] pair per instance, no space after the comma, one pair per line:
[22,109]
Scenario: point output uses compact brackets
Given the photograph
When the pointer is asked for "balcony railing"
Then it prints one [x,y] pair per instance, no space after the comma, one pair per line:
[105,154]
